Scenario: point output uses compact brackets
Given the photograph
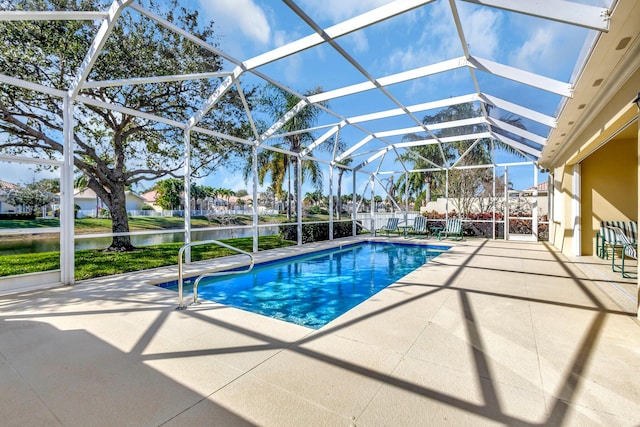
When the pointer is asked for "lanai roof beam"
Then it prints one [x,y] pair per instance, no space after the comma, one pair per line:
[568,12]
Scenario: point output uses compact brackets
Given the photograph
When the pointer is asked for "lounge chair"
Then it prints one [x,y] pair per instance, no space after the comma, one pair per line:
[606,237]
[453,228]
[629,250]
[391,227]
[632,231]
[419,226]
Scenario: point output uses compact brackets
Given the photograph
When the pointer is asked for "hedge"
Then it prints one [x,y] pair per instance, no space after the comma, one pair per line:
[318,232]
[14,216]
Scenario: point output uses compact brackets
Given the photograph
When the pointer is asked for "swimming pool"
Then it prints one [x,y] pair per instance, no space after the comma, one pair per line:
[313,289]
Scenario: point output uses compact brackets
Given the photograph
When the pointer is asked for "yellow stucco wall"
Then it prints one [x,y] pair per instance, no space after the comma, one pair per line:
[601,171]
[609,188]
[561,231]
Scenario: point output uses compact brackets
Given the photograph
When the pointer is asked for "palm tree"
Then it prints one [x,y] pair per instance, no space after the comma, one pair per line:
[425,156]
[274,164]
[277,102]
[313,198]
[198,192]
[420,157]
[228,193]
[341,172]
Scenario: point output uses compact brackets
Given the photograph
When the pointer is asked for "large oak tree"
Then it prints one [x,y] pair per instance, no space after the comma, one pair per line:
[112,149]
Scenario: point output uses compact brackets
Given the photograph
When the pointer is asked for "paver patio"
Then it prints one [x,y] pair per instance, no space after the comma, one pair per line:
[489,333]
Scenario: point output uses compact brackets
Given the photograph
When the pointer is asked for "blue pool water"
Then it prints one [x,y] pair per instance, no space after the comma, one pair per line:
[313,289]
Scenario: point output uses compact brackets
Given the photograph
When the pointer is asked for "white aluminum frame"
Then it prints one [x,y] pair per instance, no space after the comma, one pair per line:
[555,10]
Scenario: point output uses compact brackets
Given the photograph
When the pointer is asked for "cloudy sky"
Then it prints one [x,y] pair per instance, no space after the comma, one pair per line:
[422,37]
[418,38]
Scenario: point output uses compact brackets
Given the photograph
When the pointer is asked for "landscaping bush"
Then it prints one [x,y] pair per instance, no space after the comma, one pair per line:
[13,216]
[318,232]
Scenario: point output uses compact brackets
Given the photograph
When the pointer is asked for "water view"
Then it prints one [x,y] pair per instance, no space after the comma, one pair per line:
[28,244]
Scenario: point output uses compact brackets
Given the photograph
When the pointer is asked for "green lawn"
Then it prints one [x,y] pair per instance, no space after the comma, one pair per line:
[96,263]
[98,225]
[26,223]
[103,225]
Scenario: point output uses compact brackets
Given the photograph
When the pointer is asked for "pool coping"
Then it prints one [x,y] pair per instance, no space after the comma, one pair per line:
[235,261]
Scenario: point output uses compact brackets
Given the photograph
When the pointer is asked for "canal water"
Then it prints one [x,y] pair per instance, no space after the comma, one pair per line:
[26,244]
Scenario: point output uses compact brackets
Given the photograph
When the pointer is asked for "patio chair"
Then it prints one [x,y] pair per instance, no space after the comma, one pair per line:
[391,227]
[629,250]
[453,227]
[419,226]
[632,231]
[606,237]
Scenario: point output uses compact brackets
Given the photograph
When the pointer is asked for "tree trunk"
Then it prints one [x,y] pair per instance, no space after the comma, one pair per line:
[339,200]
[117,204]
[427,181]
[296,177]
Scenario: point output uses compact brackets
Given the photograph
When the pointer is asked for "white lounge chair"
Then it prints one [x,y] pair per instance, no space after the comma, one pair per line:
[629,250]
[453,228]
[419,226]
[391,227]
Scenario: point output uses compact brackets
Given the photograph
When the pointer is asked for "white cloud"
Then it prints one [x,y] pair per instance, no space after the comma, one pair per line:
[239,15]
[481,30]
[335,11]
[359,41]
[23,173]
[280,38]
[534,49]
[339,10]
[437,41]
[549,50]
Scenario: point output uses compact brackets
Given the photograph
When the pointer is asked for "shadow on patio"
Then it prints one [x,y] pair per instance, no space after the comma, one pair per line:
[490,332]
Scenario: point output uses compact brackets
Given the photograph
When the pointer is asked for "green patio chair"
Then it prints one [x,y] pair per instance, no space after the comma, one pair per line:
[419,226]
[629,250]
[606,237]
[453,227]
[632,231]
[391,227]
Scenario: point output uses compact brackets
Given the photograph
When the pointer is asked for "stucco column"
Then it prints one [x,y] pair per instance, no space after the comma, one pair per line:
[637,216]
[576,206]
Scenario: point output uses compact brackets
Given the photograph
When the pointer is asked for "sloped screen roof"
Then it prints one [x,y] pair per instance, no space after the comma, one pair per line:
[387,73]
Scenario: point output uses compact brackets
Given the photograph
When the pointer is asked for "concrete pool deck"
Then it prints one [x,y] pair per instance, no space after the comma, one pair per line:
[489,333]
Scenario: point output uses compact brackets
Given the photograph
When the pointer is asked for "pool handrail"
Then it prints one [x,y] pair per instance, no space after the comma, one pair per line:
[207,274]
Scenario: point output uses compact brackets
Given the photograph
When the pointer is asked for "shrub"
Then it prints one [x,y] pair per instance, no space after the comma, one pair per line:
[318,232]
[14,216]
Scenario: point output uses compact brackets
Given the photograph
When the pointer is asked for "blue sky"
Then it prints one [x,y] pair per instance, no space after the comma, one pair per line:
[422,37]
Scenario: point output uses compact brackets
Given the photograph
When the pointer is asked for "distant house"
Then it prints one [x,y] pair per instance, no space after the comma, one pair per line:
[151,199]
[90,204]
[6,188]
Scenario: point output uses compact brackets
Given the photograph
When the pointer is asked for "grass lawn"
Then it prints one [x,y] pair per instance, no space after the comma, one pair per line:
[141,223]
[96,263]
[103,225]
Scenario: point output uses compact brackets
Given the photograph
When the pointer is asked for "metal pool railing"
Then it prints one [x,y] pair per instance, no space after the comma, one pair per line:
[208,274]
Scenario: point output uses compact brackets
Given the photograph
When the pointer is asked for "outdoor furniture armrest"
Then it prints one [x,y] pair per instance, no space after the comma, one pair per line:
[452,228]
[629,249]
[391,226]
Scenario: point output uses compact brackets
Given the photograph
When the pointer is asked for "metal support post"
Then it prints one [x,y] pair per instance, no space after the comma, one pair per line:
[67,255]
[506,203]
[354,213]
[299,200]
[187,194]
[256,229]
[331,202]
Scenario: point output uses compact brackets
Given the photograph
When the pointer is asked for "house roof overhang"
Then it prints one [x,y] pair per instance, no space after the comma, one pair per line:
[602,104]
